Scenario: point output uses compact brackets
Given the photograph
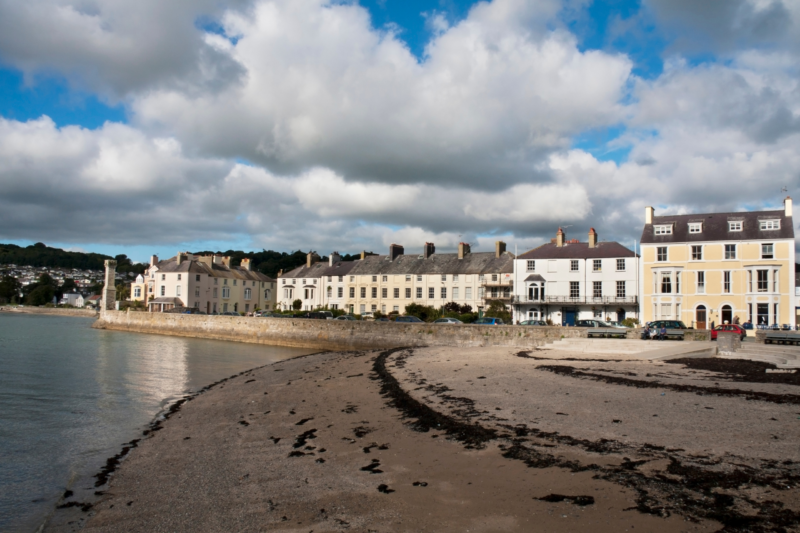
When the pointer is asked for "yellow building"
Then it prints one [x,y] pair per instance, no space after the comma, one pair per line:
[719,267]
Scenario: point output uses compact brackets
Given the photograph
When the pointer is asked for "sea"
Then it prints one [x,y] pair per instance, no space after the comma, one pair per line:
[71,396]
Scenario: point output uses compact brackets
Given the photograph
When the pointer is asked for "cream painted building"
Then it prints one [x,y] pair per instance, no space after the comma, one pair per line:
[714,267]
[207,283]
[388,283]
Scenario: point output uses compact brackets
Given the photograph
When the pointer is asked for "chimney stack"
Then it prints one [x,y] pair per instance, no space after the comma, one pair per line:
[226,261]
[246,263]
[180,258]
[363,255]
[787,206]
[428,250]
[334,258]
[395,251]
[560,237]
[311,258]
[592,238]
[280,272]
[649,212]
[463,249]
[217,259]
[153,260]
[499,248]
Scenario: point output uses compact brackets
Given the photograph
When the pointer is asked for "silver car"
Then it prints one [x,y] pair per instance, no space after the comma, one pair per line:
[447,321]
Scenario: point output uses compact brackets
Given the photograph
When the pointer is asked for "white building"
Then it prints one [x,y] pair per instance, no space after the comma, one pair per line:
[316,284]
[565,281]
[72,298]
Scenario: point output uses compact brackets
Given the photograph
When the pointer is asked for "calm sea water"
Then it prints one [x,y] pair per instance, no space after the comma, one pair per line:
[70,396]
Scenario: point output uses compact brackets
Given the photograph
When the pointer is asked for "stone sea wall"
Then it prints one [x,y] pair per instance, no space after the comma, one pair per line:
[49,311]
[331,334]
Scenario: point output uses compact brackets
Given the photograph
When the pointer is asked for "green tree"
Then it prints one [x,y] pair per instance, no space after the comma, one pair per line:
[10,288]
[497,309]
[69,285]
[423,312]
[123,292]
[297,304]
[41,295]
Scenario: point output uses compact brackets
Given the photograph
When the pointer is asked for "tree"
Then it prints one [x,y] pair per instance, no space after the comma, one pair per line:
[297,304]
[69,285]
[41,295]
[10,288]
[497,309]
[423,312]
[123,292]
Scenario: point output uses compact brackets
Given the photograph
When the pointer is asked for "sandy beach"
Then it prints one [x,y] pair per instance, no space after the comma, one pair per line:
[476,439]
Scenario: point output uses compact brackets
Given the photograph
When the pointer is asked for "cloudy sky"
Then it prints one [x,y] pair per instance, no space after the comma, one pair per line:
[145,126]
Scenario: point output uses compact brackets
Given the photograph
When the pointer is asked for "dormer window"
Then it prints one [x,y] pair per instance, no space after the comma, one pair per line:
[735,225]
[770,224]
[695,227]
[663,229]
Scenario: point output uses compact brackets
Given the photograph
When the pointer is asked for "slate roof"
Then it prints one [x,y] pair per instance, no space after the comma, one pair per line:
[715,227]
[535,277]
[578,250]
[217,270]
[473,263]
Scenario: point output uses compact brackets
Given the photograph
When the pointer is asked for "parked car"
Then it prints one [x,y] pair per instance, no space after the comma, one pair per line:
[491,321]
[382,319]
[668,324]
[616,324]
[345,317]
[735,328]
[533,323]
[592,324]
[316,315]
[447,321]
[407,319]
[230,313]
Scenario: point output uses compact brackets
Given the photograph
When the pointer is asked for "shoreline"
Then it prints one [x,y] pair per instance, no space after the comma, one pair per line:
[355,434]
[54,311]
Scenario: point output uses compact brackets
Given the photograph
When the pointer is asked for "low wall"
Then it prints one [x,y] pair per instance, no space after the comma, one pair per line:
[331,334]
[688,334]
[50,311]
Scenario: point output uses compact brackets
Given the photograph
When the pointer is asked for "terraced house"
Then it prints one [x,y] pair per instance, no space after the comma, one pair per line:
[717,267]
[388,283]
[316,284]
[208,283]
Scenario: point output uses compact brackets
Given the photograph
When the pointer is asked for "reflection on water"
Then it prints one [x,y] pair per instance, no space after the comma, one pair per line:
[71,395]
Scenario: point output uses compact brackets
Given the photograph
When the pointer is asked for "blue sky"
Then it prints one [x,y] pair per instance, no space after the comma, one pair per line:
[693,101]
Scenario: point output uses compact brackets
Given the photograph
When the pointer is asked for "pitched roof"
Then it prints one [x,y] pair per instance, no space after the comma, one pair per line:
[193,265]
[715,227]
[578,250]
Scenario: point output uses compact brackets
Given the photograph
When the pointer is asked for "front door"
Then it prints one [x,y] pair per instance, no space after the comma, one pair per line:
[569,317]
[700,318]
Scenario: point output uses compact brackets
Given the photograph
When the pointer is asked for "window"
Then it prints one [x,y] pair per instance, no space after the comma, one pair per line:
[701,282]
[179,277]
[248,294]
[384,292]
[444,277]
[762,281]
[383,309]
[663,230]
[573,265]
[774,281]
[374,292]
[455,277]
[444,293]
[455,293]
[574,289]
[419,277]
[235,282]
[352,292]
[770,224]
[431,292]
[396,293]
[341,279]
[620,289]
[374,279]
[363,308]
[597,313]
[468,293]
[481,292]
[419,293]
[408,293]
[726,281]
[225,281]
[666,310]
[363,292]
[384,278]
[494,277]
[339,292]
[695,227]
[767,251]
[597,289]
[396,308]
[163,277]
[661,253]
[215,293]
[373,308]
[267,295]
[352,278]
[197,292]
[329,292]
[178,290]
[408,277]
[597,265]
[666,282]
[730,251]
[620,265]
[735,225]
[226,292]
[531,266]
[197,277]
[697,253]
[137,292]
[217,280]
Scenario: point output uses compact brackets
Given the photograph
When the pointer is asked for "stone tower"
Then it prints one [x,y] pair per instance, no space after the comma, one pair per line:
[109,288]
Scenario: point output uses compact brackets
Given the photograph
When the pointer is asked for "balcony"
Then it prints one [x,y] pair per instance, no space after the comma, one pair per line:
[604,300]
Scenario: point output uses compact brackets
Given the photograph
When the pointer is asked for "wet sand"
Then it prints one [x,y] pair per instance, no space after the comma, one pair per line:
[479,439]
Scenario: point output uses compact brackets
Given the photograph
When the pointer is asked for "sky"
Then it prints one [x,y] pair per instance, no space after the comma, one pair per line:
[148,127]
